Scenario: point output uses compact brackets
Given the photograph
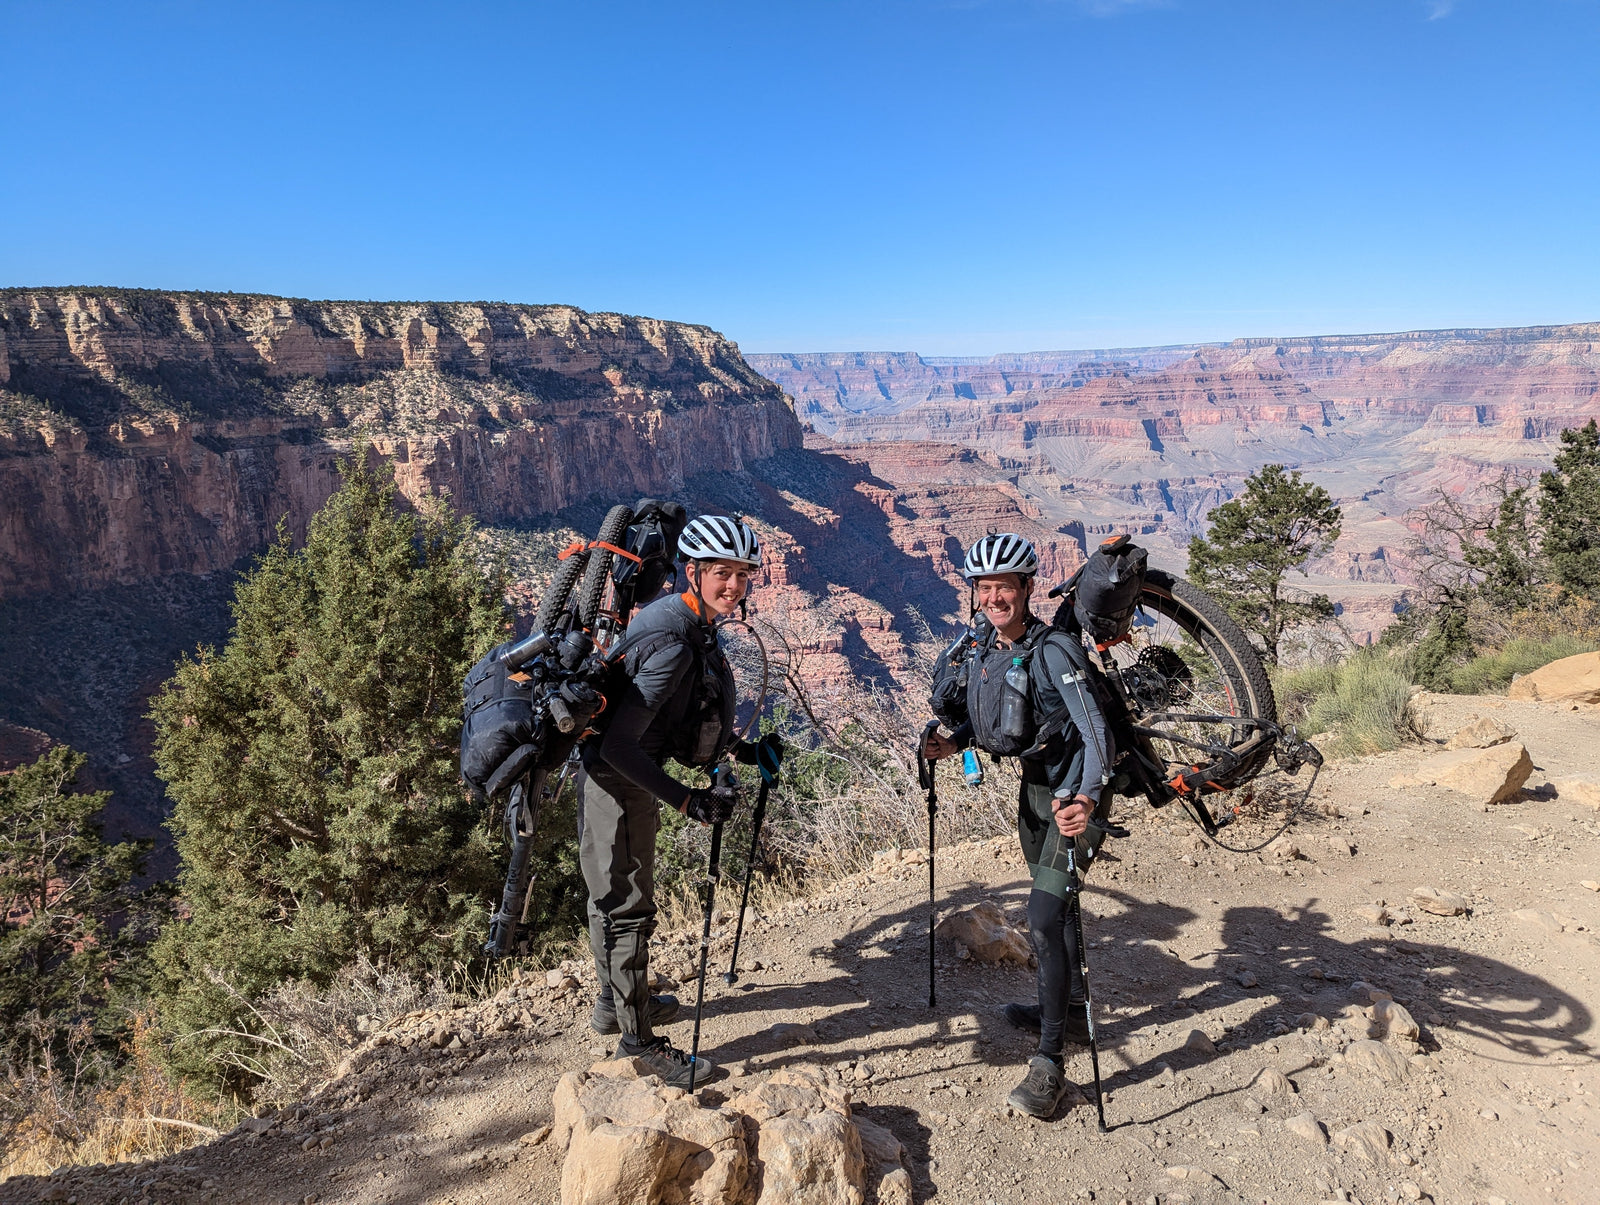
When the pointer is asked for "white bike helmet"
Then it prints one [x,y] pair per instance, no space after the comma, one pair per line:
[719,538]
[1003,553]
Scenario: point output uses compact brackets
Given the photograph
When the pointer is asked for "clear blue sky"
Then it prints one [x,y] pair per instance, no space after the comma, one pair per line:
[949,176]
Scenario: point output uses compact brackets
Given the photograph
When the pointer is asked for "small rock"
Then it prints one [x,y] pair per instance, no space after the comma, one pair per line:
[1440,903]
[1480,734]
[1548,921]
[1488,1115]
[787,1034]
[1578,790]
[1485,775]
[1246,979]
[1366,1139]
[1311,1021]
[555,979]
[863,1072]
[1273,1082]
[1186,1171]
[1589,885]
[1308,1127]
[1410,1190]
[1373,914]
[1378,1060]
[535,1137]
[1250,1106]
[1284,849]
[1199,1041]
[983,931]
[1393,1021]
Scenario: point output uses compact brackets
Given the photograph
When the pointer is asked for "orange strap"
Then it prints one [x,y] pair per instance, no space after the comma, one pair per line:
[578,546]
[1122,639]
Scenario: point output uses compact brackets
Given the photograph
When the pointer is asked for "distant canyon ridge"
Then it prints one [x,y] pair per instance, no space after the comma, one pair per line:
[1151,439]
[150,442]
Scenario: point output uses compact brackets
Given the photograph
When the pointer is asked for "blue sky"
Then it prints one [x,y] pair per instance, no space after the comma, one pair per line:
[948,176]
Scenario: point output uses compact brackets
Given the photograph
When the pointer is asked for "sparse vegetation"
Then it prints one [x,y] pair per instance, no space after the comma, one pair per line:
[1362,703]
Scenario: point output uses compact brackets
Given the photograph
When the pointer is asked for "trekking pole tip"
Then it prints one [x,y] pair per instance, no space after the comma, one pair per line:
[730,977]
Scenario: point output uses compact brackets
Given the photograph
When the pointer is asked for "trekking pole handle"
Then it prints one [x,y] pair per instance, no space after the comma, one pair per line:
[924,763]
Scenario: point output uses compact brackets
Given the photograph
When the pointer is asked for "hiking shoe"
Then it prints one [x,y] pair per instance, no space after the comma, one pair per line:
[662,1058]
[604,1018]
[1041,1090]
[1026,1016]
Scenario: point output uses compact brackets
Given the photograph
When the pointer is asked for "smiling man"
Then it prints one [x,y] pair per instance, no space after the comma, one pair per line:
[1019,672]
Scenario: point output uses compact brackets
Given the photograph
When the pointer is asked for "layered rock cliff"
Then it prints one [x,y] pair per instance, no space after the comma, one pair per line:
[148,433]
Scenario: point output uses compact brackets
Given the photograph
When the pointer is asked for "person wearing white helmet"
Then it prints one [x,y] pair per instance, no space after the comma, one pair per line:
[1062,780]
[679,704]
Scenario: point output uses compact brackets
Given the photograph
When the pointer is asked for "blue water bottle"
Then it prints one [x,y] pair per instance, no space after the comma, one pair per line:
[971,767]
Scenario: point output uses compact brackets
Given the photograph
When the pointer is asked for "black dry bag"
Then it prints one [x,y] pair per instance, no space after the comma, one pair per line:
[496,719]
[651,542]
[1107,589]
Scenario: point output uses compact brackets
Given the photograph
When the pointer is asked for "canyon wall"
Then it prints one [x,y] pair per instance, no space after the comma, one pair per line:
[147,433]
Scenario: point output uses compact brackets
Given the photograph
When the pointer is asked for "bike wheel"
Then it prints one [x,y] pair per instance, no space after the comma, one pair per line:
[598,575]
[560,589]
[1185,656]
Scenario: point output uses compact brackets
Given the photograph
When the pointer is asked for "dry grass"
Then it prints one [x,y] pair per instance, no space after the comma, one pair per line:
[57,1116]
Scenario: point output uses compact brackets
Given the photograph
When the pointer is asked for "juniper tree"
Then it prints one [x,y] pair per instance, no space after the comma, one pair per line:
[312,766]
[1569,512]
[1276,525]
[73,913]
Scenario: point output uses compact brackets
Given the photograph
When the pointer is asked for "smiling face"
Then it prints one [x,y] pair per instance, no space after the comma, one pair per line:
[722,585]
[1004,599]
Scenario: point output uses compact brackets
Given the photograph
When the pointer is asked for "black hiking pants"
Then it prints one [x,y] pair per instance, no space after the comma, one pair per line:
[617,851]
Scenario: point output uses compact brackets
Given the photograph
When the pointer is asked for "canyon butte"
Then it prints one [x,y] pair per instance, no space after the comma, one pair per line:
[151,443]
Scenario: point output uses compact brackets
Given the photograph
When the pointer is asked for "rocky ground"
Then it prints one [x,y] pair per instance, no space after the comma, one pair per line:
[1256,1013]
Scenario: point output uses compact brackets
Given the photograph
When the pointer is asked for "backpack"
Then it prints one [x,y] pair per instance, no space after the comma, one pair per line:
[984,706]
[647,560]
[1104,592]
[497,722]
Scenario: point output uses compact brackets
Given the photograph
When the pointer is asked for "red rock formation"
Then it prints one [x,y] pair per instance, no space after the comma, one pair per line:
[146,433]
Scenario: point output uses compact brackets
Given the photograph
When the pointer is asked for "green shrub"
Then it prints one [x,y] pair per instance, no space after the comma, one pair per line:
[1364,701]
[1494,671]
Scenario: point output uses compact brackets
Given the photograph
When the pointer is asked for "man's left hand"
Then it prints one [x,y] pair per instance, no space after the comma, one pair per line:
[1072,815]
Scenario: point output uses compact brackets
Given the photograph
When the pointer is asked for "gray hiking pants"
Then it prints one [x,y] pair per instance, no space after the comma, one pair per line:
[617,852]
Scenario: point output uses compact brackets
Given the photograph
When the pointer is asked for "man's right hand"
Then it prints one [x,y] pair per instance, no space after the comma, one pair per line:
[939,745]
[711,805]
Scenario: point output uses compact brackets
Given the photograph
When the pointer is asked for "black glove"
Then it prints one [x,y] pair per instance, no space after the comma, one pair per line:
[711,805]
[767,753]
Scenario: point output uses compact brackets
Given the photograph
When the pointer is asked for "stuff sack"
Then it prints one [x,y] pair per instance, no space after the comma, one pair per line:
[1105,592]
[496,720]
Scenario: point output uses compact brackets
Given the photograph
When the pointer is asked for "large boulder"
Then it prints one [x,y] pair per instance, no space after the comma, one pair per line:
[1483,775]
[1570,680]
[983,930]
[630,1138]
[806,1145]
[789,1140]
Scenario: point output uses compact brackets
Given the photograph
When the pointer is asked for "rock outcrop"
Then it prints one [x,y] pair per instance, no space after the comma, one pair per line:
[789,1139]
[148,433]
[1569,680]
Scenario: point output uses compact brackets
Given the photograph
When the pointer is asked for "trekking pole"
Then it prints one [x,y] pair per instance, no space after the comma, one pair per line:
[732,975]
[713,877]
[1075,887]
[925,769]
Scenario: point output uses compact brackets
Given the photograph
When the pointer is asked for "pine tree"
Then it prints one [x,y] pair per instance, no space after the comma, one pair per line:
[1569,512]
[312,765]
[1277,524]
[73,917]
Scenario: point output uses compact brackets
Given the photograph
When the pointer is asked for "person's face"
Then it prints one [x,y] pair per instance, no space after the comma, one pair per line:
[723,585]
[1003,598]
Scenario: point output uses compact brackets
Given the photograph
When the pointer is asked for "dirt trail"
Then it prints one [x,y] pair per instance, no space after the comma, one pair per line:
[1497,1103]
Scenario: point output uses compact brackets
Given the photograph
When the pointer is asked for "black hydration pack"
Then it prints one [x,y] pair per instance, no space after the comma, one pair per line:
[1104,592]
